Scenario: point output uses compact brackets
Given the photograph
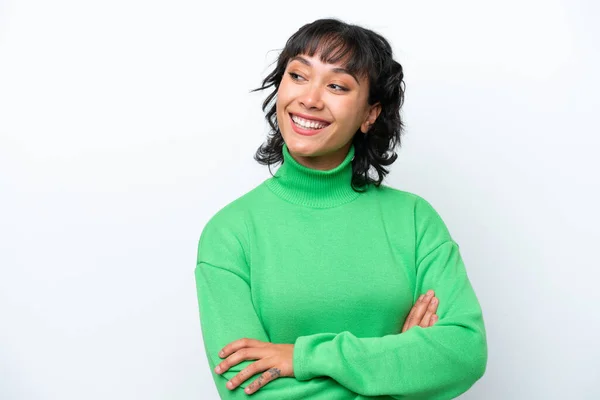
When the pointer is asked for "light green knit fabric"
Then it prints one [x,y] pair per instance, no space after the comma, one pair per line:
[304,259]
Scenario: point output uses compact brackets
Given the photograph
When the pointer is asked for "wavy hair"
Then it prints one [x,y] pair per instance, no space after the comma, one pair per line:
[366,54]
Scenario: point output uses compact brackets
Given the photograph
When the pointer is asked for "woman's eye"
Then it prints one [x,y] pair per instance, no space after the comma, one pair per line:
[335,87]
[338,88]
[295,76]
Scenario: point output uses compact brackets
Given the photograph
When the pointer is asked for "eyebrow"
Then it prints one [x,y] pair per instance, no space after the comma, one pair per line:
[337,70]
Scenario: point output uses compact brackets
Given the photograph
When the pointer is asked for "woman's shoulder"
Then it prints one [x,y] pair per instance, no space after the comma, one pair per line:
[390,193]
[410,201]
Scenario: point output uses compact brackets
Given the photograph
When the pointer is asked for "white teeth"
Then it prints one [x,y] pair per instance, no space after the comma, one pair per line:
[308,124]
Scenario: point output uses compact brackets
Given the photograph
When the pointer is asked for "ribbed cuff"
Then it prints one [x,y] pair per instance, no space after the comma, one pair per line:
[298,359]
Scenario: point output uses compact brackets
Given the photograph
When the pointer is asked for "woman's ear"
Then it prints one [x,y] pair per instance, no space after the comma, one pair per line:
[374,112]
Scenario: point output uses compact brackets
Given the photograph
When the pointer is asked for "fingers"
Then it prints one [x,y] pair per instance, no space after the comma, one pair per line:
[250,353]
[248,372]
[266,377]
[429,312]
[418,312]
[410,317]
[240,344]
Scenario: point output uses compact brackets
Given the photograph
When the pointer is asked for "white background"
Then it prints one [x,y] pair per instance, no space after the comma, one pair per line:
[125,125]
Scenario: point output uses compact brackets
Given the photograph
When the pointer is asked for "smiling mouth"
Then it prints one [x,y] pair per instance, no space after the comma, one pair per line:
[308,124]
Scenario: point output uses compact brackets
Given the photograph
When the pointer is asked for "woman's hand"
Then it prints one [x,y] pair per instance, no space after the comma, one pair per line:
[423,312]
[275,359]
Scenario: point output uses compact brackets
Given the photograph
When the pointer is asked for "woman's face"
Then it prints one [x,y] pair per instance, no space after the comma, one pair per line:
[319,109]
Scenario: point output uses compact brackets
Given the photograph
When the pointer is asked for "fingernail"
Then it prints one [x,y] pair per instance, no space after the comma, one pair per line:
[230,385]
[429,292]
[434,301]
[421,297]
[218,369]
[221,353]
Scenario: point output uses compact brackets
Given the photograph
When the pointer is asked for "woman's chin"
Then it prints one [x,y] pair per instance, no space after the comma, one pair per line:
[301,146]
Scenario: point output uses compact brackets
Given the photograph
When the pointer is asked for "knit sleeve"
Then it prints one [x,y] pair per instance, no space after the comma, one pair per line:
[439,362]
[227,313]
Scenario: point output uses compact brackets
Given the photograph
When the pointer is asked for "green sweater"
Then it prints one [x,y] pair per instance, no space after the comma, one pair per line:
[304,259]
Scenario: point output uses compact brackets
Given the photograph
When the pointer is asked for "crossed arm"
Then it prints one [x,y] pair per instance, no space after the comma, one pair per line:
[276,360]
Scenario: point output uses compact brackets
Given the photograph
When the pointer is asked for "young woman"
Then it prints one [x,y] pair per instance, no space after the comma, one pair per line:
[317,283]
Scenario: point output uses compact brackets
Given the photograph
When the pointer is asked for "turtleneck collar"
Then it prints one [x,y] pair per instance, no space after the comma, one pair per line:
[314,188]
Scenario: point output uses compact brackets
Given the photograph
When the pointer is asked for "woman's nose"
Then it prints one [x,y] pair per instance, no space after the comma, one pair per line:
[312,97]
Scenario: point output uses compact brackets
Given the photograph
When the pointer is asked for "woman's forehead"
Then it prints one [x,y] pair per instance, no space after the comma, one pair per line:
[332,67]
[342,66]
